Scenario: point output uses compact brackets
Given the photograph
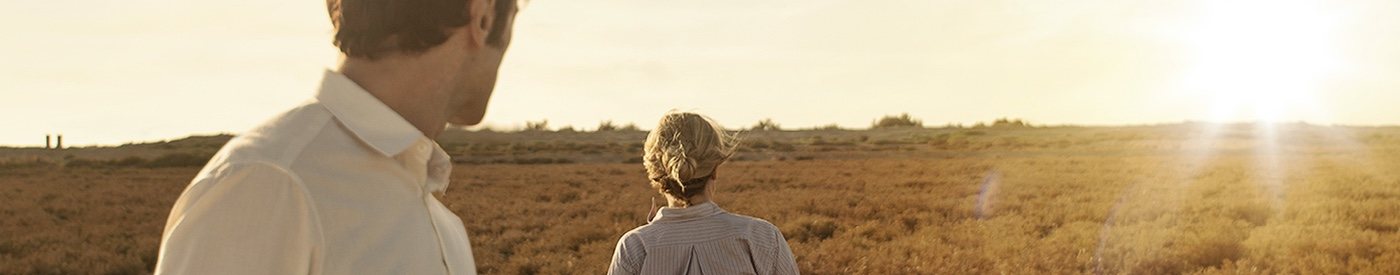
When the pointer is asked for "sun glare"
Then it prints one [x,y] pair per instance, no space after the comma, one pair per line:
[1261,60]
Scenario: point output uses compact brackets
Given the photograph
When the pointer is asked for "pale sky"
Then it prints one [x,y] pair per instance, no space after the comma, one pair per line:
[110,72]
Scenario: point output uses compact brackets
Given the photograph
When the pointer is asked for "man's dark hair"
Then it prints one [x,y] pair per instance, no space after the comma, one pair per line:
[371,28]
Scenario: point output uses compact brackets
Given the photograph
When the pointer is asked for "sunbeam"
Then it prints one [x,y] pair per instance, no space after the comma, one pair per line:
[1270,169]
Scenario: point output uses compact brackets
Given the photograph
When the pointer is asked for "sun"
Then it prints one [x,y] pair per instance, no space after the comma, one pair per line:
[1261,60]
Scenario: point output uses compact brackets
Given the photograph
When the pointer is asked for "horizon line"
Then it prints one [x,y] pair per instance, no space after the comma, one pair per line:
[978,125]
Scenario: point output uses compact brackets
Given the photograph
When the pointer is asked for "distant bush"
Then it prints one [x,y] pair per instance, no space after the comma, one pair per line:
[899,121]
[609,126]
[1009,123]
[767,124]
[828,127]
[537,126]
[606,125]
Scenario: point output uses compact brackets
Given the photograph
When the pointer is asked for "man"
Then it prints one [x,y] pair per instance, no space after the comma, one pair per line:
[343,183]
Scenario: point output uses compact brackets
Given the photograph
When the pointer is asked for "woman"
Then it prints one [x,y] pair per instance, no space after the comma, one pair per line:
[692,235]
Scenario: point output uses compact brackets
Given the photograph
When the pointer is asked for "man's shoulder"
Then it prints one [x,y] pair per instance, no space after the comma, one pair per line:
[279,140]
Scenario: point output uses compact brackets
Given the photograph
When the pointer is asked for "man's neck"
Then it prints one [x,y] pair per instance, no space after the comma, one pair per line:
[413,86]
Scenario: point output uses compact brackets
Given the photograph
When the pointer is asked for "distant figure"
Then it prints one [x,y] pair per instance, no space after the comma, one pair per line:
[344,183]
[48,141]
[692,235]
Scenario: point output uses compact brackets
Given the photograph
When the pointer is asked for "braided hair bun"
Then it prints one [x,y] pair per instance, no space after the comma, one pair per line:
[682,153]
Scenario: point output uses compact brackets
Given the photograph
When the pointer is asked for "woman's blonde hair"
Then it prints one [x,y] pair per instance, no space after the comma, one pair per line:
[682,153]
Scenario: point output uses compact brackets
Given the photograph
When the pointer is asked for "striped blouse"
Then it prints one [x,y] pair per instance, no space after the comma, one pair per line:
[703,239]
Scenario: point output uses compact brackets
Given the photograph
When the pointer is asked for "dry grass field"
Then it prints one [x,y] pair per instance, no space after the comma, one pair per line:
[1171,199]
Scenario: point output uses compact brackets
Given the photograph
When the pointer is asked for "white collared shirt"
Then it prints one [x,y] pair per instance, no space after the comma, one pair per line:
[703,239]
[339,185]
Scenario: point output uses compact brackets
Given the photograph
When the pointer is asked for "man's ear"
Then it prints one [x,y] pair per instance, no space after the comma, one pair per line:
[482,15]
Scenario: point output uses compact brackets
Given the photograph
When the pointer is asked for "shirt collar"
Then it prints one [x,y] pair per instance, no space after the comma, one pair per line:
[702,210]
[364,115]
[439,169]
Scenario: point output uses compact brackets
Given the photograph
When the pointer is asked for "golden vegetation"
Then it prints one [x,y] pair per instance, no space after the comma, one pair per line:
[83,220]
[1007,200]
